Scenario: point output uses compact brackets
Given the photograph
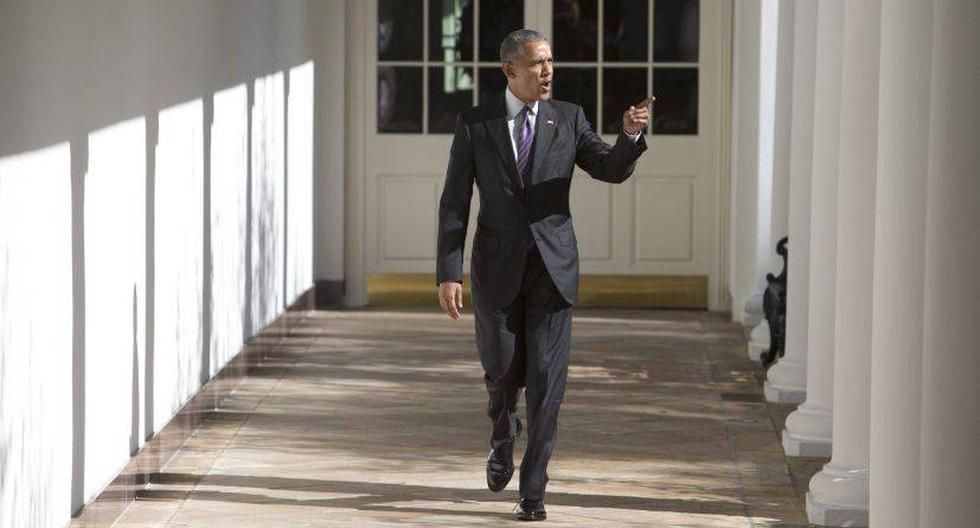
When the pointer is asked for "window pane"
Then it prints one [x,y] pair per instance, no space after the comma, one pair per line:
[675,30]
[400,30]
[676,109]
[624,30]
[578,85]
[450,92]
[621,87]
[451,30]
[575,28]
[492,84]
[399,99]
[497,19]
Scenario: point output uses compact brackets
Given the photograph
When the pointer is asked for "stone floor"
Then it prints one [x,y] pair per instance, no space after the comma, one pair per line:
[376,418]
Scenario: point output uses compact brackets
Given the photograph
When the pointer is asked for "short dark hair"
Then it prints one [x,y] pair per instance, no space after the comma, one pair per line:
[513,47]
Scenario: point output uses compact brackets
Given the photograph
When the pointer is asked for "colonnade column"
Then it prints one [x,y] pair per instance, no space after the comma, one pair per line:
[750,191]
[838,494]
[809,427]
[786,380]
[764,248]
[899,262]
[950,463]
[782,114]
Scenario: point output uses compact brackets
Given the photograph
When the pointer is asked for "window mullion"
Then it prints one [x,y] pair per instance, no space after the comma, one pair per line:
[650,8]
[425,67]
[476,52]
[600,37]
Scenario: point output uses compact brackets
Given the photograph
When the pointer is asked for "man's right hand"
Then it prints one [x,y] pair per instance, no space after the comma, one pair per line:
[451,299]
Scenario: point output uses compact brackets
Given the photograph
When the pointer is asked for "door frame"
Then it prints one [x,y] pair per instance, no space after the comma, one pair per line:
[356,121]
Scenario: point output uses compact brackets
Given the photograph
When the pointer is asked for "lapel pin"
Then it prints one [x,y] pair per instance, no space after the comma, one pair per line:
[550,122]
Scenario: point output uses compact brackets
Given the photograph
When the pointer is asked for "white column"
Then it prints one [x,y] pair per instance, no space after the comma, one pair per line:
[764,248]
[950,463]
[786,380]
[780,140]
[782,129]
[744,61]
[899,262]
[809,427]
[750,192]
[838,494]
[782,122]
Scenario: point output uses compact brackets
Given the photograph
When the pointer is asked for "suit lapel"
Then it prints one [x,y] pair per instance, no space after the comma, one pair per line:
[501,138]
[545,131]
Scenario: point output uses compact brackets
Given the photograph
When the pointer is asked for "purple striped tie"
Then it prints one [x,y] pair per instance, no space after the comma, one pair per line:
[525,146]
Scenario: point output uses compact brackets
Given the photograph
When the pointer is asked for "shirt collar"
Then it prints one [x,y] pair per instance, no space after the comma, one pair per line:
[514,105]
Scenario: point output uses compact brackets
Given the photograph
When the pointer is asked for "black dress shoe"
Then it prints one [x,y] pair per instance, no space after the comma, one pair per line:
[500,463]
[531,510]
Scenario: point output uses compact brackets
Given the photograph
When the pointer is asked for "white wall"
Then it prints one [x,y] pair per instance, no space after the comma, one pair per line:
[329,211]
[158,169]
[35,337]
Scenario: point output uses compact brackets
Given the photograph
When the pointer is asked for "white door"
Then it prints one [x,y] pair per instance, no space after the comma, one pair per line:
[426,60]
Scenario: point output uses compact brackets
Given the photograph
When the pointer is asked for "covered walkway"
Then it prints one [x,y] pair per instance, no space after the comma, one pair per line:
[376,418]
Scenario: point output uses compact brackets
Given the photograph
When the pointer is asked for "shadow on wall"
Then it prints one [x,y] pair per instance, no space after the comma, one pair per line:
[143,221]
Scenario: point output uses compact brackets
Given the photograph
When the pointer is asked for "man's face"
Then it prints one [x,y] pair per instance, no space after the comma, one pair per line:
[530,76]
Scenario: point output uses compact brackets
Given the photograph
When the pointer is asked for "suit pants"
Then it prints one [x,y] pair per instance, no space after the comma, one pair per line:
[526,345]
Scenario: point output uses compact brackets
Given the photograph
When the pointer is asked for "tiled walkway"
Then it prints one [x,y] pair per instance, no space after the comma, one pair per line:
[376,418]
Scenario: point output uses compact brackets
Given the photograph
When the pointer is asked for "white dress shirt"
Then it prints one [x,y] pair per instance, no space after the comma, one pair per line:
[514,107]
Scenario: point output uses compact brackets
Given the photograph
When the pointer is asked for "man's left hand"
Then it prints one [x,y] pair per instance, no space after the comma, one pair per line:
[637,116]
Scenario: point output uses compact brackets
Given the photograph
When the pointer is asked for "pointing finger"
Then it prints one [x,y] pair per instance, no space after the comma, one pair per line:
[645,103]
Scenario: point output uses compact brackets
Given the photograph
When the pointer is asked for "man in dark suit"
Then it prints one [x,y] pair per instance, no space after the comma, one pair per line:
[520,150]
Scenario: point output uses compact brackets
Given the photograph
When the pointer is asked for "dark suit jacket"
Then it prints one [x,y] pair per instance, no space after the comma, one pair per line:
[510,214]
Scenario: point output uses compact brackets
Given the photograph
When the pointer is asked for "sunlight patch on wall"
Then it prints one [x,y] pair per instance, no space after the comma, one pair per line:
[229,230]
[35,337]
[179,239]
[268,180]
[299,201]
[115,298]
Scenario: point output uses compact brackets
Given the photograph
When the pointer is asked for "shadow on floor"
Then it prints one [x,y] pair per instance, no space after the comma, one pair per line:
[372,496]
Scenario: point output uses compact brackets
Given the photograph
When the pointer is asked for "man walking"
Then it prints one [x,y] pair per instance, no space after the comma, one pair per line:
[520,150]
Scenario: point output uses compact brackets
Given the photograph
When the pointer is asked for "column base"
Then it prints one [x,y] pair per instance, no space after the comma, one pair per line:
[783,394]
[822,514]
[808,432]
[759,341]
[753,311]
[838,496]
[786,381]
[805,447]
[751,320]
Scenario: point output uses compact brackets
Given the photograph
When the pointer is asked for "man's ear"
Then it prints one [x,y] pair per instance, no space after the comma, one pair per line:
[506,68]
